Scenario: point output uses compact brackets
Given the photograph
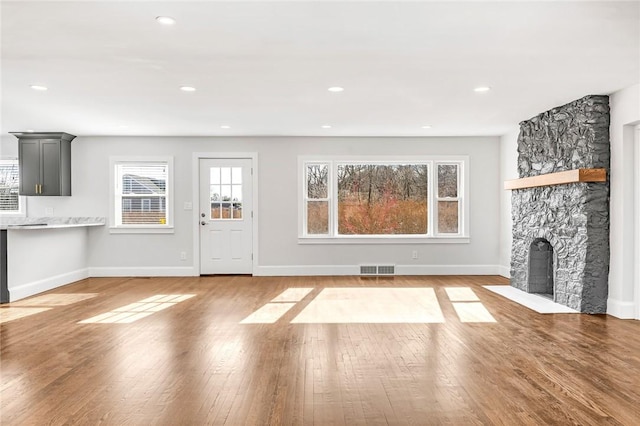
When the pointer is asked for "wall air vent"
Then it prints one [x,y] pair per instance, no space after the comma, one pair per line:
[386,269]
[368,269]
[377,270]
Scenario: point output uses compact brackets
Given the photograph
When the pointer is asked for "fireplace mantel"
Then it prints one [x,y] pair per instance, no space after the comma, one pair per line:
[558,178]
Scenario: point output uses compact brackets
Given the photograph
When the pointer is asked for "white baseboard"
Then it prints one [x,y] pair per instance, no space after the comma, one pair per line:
[40,286]
[504,271]
[622,310]
[307,270]
[447,269]
[35,287]
[148,271]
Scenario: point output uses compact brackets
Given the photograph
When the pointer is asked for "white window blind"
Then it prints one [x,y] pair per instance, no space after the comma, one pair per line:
[141,193]
[9,180]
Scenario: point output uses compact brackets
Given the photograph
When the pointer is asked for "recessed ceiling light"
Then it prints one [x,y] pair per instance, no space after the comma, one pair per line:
[225,127]
[482,89]
[29,131]
[426,126]
[165,20]
[335,89]
[187,89]
[326,126]
[37,87]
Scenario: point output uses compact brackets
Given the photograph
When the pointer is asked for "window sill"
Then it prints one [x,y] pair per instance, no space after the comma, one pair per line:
[12,214]
[374,240]
[141,230]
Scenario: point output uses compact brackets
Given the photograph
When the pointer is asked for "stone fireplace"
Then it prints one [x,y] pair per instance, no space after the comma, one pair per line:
[561,232]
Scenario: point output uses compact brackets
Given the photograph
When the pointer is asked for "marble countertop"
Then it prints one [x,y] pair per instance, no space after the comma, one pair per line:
[30,223]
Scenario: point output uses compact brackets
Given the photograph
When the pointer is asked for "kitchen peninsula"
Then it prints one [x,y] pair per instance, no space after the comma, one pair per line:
[41,253]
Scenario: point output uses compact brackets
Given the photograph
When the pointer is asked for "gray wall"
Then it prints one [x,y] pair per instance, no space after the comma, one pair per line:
[278,201]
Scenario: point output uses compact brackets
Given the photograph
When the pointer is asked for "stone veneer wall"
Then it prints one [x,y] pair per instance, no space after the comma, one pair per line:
[574,218]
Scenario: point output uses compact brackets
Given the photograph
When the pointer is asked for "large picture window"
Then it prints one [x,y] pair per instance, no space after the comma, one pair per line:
[11,204]
[401,198]
[142,194]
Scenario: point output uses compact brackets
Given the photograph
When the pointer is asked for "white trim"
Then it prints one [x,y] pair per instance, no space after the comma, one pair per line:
[195,176]
[141,230]
[447,269]
[305,270]
[143,271]
[376,239]
[619,309]
[504,271]
[636,147]
[36,287]
[354,270]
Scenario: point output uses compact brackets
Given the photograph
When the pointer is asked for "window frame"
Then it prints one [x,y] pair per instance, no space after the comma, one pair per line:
[22,200]
[458,199]
[432,236]
[115,198]
[328,199]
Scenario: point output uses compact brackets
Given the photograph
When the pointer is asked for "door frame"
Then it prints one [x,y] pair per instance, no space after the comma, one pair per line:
[636,219]
[195,217]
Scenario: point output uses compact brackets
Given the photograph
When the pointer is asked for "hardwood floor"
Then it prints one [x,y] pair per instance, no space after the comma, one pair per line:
[192,362]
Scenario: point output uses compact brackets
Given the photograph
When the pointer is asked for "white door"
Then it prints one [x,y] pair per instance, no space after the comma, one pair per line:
[226,218]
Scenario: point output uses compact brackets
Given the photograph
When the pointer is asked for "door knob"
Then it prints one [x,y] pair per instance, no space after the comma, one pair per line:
[202,214]
[203,223]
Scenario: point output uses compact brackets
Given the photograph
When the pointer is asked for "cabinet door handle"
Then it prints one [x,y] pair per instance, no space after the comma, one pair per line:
[36,188]
[40,188]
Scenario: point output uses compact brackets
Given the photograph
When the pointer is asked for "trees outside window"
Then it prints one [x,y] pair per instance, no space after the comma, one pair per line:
[375,198]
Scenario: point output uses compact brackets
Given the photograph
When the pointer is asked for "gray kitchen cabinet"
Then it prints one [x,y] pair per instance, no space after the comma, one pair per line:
[45,163]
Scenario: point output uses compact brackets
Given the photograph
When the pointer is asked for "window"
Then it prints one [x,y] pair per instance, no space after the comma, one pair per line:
[225,191]
[391,199]
[142,195]
[448,198]
[317,199]
[11,204]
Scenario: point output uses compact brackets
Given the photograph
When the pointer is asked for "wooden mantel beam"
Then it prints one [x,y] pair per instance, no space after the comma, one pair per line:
[559,178]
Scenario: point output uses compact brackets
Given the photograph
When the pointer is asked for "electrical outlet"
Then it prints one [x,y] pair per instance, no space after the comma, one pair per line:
[414,254]
[48,211]
[183,255]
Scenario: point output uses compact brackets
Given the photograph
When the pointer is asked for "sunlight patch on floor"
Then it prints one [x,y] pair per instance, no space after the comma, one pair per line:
[372,305]
[10,313]
[293,294]
[472,312]
[138,310]
[268,314]
[55,299]
[461,294]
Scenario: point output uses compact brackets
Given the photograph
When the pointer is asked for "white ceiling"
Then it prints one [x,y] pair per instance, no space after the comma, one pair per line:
[263,68]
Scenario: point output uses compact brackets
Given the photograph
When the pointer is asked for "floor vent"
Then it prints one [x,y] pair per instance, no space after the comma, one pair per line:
[377,269]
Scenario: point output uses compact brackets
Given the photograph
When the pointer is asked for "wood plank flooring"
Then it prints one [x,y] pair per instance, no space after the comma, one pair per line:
[195,363]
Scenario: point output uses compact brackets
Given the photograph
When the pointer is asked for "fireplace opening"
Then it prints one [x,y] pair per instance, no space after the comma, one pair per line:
[541,268]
